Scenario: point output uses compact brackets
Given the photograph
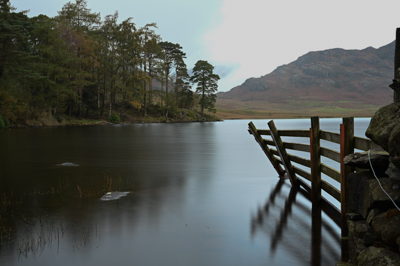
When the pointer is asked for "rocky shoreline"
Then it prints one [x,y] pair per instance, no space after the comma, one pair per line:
[374,194]
[373,221]
[47,119]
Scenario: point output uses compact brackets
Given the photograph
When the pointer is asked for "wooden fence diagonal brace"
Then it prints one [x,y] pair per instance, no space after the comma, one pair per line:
[282,153]
[266,150]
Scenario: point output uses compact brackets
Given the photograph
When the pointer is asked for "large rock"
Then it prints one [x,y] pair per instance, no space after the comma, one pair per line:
[387,227]
[357,231]
[372,214]
[394,145]
[393,171]
[378,159]
[384,130]
[373,256]
[365,193]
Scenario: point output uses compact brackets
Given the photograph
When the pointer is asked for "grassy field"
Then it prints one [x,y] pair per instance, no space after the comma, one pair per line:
[234,109]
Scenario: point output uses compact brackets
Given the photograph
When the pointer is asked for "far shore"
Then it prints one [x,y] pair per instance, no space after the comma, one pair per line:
[220,115]
[252,114]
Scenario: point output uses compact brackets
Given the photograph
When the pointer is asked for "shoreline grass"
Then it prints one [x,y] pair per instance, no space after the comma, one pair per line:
[323,112]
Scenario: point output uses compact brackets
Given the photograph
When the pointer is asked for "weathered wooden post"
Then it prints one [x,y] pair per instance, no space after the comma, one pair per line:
[315,157]
[282,153]
[396,80]
[346,147]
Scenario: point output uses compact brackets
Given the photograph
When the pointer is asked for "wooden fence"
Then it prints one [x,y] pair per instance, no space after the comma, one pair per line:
[275,149]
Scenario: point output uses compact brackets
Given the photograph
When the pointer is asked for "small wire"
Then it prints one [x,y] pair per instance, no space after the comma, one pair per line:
[369,157]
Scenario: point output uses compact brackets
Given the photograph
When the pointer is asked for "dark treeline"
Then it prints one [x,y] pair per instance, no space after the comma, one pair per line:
[77,64]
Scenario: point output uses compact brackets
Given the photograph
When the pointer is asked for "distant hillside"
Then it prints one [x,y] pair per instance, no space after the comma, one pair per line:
[325,80]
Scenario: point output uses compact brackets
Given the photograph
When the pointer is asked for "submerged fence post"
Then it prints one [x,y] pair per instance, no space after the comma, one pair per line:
[346,147]
[282,153]
[315,157]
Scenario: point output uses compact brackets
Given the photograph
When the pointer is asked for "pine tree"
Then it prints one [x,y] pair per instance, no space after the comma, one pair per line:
[78,17]
[206,82]
[172,57]
[17,61]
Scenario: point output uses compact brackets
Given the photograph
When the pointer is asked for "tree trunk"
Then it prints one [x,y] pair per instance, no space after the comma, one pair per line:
[70,110]
[98,94]
[104,95]
[80,102]
[145,91]
[123,105]
[166,88]
[202,103]
[162,90]
[144,99]
[203,96]
[151,91]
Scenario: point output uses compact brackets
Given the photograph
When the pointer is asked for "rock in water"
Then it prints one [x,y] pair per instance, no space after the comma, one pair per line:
[113,195]
[67,164]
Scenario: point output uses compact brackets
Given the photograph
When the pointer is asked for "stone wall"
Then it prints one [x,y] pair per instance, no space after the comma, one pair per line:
[373,218]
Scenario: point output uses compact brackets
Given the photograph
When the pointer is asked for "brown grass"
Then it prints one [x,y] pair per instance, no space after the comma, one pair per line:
[292,108]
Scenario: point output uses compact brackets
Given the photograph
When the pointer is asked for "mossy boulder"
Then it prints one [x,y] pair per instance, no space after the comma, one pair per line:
[384,130]
[387,227]
[373,256]
[357,231]
[365,193]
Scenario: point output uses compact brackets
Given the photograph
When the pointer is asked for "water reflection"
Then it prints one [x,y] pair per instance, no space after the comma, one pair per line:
[192,189]
[292,224]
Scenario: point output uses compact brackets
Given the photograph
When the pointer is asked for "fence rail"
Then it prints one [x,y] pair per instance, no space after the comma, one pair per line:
[275,149]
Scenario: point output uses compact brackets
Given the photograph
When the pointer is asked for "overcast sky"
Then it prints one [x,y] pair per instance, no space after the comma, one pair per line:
[250,38]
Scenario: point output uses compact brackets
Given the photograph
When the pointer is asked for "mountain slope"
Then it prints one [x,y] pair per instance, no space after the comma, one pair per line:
[323,80]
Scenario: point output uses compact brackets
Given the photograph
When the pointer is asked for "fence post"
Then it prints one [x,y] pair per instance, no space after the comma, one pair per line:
[346,147]
[396,95]
[282,153]
[315,157]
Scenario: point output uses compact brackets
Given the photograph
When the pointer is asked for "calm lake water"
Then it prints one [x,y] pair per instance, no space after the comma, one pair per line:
[200,194]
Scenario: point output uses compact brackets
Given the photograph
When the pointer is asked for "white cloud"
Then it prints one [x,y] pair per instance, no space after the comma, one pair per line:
[259,35]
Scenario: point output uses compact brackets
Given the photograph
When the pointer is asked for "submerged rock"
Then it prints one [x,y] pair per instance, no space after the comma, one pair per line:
[68,164]
[113,195]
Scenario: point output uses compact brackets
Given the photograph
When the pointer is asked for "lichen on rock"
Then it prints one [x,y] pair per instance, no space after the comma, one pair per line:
[373,256]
